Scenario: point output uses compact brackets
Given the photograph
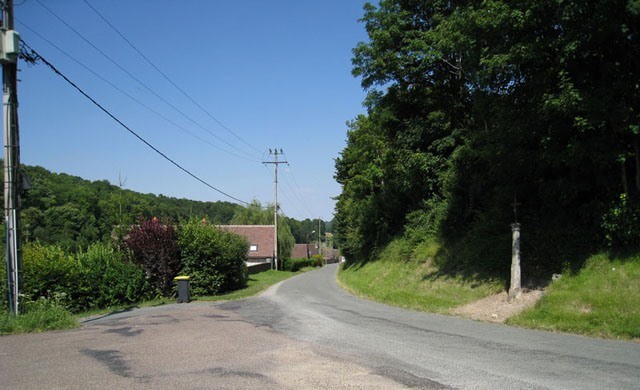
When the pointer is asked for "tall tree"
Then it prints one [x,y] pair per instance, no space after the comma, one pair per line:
[474,104]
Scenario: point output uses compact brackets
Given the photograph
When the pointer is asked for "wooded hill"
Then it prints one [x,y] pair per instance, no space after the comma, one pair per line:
[476,107]
[73,212]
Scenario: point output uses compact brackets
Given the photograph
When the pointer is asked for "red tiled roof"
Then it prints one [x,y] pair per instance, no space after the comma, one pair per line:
[300,251]
[259,237]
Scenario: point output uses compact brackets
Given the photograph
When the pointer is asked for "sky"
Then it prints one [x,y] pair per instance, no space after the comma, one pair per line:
[263,75]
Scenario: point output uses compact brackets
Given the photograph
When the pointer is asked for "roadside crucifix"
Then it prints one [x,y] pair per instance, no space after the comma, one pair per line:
[515,289]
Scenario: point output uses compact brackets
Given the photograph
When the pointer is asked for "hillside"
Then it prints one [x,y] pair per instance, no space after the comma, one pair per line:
[482,115]
[73,212]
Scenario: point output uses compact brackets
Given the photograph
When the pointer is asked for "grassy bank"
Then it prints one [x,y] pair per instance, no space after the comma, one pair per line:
[39,316]
[407,278]
[601,300]
[46,315]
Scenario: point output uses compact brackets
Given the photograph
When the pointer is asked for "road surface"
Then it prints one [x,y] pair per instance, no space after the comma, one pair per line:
[307,333]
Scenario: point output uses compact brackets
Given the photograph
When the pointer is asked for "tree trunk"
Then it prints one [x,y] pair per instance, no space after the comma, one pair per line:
[637,160]
[625,184]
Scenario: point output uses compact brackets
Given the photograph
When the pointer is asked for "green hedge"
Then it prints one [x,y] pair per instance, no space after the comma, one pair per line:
[213,258]
[294,265]
[95,278]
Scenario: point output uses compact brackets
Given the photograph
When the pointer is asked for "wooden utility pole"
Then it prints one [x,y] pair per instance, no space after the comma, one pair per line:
[275,163]
[319,242]
[10,45]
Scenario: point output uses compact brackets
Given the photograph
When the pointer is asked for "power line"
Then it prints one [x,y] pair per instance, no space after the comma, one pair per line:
[160,115]
[169,79]
[299,192]
[34,55]
[291,200]
[145,86]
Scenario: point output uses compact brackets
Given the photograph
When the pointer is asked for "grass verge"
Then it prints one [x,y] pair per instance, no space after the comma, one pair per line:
[601,300]
[39,316]
[408,280]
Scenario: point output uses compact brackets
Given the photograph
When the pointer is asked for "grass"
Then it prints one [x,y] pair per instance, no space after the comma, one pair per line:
[45,315]
[255,285]
[601,300]
[406,278]
[39,316]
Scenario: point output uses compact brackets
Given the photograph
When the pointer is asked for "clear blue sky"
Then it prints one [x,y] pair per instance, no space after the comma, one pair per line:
[276,73]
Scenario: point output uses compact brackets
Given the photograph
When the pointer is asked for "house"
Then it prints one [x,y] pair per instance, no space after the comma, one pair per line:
[261,246]
[304,251]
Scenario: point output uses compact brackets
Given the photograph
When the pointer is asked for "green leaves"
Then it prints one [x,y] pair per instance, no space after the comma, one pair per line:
[474,103]
[213,258]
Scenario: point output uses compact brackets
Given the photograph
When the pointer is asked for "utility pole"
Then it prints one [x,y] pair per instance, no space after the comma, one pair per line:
[10,47]
[275,163]
[319,242]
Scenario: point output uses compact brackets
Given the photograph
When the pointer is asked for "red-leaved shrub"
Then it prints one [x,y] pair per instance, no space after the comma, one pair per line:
[154,246]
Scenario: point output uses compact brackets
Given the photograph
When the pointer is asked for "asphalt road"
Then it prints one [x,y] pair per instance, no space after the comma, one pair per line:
[433,351]
[307,333]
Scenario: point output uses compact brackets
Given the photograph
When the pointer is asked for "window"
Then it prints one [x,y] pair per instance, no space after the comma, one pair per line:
[253,248]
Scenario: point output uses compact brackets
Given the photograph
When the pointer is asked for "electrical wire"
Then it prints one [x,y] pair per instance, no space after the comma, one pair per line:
[299,192]
[169,79]
[284,193]
[134,99]
[36,55]
[145,86]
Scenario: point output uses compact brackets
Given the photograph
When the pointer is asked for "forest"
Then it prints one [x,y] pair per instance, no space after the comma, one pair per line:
[484,113]
[74,213]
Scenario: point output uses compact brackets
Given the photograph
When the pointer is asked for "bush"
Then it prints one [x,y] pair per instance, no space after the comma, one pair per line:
[47,270]
[318,260]
[104,279]
[295,265]
[213,258]
[93,279]
[621,224]
[153,245]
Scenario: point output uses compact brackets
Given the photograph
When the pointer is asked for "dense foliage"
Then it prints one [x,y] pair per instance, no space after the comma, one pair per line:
[153,245]
[95,278]
[474,107]
[302,230]
[214,259]
[295,265]
[73,213]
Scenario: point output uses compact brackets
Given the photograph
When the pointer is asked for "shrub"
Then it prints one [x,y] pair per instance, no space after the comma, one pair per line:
[93,279]
[295,265]
[621,224]
[47,270]
[213,258]
[153,245]
[318,260]
[104,279]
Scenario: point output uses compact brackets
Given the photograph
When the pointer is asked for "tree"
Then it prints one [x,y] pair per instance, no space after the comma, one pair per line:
[153,245]
[255,214]
[473,104]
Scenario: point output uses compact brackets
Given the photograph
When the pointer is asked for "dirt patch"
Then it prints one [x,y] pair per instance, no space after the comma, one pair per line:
[496,308]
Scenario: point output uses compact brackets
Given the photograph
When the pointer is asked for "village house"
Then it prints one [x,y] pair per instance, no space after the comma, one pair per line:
[304,251]
[261,246]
